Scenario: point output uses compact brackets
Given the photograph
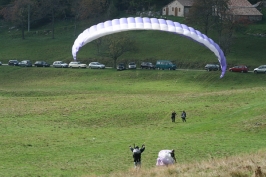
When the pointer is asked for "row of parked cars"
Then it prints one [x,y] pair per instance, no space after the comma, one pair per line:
[56,64]
[236,68]
[160,64]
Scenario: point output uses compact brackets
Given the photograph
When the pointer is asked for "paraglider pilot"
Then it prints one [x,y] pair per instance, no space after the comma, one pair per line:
[183,116]
[173,116]
[137,154]
[172,153]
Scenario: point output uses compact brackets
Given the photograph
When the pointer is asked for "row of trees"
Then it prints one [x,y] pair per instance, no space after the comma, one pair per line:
[25,12]
[204,15]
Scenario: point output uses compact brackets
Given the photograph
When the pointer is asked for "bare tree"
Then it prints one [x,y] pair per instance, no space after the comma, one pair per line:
[214,15]
[83,9]
[52,8]
[18,14]
[201,15]
[117,44]
[224,25]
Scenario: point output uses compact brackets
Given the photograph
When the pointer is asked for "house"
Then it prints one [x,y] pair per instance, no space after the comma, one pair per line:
[179,8]
[243,10]
[239,10]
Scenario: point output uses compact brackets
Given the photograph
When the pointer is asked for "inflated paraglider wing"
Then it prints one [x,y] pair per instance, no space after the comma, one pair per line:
[138,23]
[164,158]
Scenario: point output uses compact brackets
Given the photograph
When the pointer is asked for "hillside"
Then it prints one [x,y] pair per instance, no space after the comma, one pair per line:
[248,46]
[80,122]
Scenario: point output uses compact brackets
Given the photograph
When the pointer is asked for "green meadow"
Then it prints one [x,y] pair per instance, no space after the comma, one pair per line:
[80,122]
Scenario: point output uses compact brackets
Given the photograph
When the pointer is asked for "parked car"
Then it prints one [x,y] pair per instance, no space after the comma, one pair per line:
[76,64]
[212,67]
[60,64]
[165,64]
[120,67]
[96,65]
[0,63]
[13,62]
[147,65]
[260,69]
[132,65]
[41,64]
[25,63]
[239,68]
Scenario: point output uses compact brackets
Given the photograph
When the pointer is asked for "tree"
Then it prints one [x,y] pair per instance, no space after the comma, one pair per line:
[214,15]
[117,44]
[201,15]
[84,9]
[52,8]
[111,10]
[224,25]
[18,13]
[5,2]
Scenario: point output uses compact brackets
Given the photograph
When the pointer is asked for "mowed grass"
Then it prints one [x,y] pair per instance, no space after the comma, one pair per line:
[247,46]
[80,122]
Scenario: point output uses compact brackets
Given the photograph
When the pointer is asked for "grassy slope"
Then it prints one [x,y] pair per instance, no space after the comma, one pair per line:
[153,45]
[48,126]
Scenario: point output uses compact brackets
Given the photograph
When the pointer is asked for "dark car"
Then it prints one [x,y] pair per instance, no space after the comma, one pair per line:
[239,68]
[212,67]
[25,63]
[0,63]
[147,65]
[165,64]
[41,64]
[13,62]
[120,67]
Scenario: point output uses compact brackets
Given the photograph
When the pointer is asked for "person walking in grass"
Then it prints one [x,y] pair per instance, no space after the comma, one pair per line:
[173,116]
[183,116]
[137,154]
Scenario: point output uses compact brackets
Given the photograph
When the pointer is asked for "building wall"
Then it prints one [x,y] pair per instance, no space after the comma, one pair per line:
[174,9]
[250,18]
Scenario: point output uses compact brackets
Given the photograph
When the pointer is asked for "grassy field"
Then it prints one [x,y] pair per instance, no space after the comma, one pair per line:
[248,47]
[80,122]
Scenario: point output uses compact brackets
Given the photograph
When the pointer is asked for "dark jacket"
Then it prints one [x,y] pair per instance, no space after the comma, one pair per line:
[137,153]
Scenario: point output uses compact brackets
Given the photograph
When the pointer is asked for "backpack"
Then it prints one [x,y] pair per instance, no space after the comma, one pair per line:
[136,153]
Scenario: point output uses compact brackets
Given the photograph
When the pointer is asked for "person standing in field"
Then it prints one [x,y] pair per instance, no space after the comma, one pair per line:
[137,154]
[183,116]
[173,116]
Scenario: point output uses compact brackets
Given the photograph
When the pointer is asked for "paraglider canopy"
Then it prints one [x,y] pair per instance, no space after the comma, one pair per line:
[165,158]
[138,23]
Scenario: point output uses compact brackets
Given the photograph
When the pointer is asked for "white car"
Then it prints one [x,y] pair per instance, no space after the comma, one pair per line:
[60,64]
[76,64]
[132,65]
[96,65]
[260,69]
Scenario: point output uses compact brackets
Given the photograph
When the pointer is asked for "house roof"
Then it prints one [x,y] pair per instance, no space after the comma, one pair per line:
[242,7]
[183,2]
[186,2]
